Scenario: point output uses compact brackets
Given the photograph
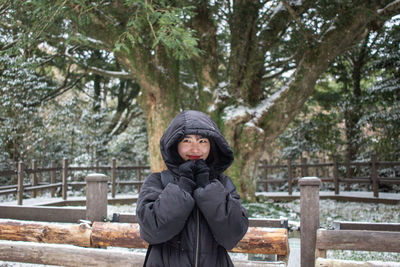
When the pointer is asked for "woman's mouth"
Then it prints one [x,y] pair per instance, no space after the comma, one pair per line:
[193,157]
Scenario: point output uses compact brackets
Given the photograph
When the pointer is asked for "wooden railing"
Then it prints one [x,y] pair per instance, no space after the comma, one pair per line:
[383,237]
[335,172]
[95,232]
[60,177]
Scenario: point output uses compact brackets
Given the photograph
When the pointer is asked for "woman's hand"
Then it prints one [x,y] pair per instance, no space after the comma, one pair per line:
[202,173]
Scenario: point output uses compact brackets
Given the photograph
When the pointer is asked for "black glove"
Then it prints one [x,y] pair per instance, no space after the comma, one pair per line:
[202,173]
[187,181]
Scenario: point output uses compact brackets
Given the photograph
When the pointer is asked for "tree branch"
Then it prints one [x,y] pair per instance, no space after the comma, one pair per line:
[306,34]
[284,104]
[107,73]
[391,9]
[60,90]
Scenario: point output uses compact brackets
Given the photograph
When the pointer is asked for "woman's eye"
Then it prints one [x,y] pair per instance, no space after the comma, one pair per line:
[203,141]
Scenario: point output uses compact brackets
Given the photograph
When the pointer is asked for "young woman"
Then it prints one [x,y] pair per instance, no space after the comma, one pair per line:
[191,214]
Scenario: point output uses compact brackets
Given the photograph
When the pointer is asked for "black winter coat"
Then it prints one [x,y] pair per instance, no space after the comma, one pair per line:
[185,229]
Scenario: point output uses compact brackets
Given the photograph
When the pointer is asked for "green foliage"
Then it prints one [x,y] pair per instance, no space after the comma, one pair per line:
[95,55]
[22,89]
[167,25]
[322,125]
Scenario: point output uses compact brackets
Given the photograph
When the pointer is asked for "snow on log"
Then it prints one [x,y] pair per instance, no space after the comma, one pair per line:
[57,233]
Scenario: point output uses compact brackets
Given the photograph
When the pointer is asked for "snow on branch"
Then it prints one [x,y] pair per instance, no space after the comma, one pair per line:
[92,69]
[253,115]
[393,6]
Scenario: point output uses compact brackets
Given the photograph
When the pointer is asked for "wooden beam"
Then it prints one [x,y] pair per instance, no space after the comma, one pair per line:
[49,214]
[67,255]
[382,241]
[117,234]
[57,233]
[320,262]
[258,240]
[339,225]
[263,240]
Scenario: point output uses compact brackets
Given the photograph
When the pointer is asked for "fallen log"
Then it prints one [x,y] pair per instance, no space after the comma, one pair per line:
[258,240]
[57,233]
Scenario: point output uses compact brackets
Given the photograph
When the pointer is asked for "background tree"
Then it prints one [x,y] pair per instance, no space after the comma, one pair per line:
[250,64]
[360,91]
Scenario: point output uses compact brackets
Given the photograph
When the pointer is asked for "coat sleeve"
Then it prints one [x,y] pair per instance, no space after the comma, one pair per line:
[221,206]
[162,212]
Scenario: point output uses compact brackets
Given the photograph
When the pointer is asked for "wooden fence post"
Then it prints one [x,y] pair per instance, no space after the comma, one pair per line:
[138,173]
[304,168]
[290,177]
[53,177]
[265,178]
[309,219]
[34,180]
[348,172]
[64,178]
[96,197]
[20,182]
[374,175]
[336,174]
[97,166]
[113,176]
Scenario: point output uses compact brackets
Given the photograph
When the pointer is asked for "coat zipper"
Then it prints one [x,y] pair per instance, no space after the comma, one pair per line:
[197,238]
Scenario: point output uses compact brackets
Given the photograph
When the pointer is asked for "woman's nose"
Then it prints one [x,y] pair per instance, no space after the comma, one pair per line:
[194,147]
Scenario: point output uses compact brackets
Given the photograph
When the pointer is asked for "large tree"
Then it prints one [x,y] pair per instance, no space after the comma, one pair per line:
[250,64]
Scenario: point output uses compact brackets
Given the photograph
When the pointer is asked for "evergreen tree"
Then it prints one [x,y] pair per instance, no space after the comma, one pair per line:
[250,64]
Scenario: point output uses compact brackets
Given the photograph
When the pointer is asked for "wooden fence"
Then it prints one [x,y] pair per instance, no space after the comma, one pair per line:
[382,237]
[336,172]
[314,241]
[95,232]
[64,171]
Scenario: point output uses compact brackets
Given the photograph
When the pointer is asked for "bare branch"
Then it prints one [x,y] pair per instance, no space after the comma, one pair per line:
[62,89]
[7,46]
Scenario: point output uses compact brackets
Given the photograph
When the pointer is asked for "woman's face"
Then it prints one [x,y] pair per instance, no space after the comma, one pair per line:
[194,147]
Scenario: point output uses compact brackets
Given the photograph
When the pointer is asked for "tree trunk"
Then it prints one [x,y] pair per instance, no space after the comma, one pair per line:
[163,90]
[160,107]
[355,112]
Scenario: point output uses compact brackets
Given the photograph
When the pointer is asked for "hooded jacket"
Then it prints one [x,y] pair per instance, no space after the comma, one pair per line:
[191,229]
